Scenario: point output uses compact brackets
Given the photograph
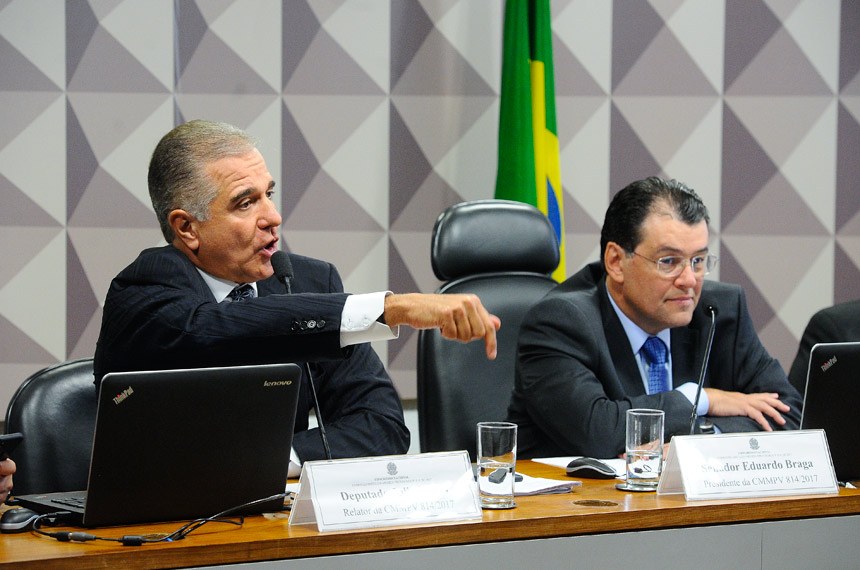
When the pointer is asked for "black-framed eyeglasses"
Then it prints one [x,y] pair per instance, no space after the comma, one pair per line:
[673,265]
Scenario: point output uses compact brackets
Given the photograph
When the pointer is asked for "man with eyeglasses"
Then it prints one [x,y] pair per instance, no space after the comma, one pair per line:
[625,332]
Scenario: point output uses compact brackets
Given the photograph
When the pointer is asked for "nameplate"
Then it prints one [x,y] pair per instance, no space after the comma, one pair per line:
[759,464]
[386,491]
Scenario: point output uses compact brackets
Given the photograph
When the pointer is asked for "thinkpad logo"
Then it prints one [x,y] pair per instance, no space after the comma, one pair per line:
[120,398]
[826,366]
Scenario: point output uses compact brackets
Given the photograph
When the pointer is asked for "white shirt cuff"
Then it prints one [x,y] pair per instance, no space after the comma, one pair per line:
[689,390]
[358,322]
[295,467]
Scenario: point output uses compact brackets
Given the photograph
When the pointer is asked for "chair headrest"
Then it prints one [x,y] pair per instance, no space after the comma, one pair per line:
[486,236]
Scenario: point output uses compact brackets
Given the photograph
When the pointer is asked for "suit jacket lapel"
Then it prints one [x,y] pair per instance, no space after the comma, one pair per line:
[270,286]
[619,346]
[685,341]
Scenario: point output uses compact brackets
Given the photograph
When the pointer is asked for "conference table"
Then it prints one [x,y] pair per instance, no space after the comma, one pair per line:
[595,526]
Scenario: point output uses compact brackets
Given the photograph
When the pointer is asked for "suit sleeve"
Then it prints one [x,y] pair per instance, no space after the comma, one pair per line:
[740,363]
[160,314]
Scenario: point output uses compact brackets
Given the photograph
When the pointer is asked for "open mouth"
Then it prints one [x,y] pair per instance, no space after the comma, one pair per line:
[271,247]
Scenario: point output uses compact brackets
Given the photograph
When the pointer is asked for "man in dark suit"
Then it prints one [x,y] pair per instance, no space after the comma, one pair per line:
[210,298]
[582,359]
[838,323]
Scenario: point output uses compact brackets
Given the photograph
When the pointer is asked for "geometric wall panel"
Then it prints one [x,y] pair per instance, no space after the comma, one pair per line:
[374,117]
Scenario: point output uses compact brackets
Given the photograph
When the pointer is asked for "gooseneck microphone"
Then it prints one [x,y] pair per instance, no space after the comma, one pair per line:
[284,272]
[713,312]
[283,268]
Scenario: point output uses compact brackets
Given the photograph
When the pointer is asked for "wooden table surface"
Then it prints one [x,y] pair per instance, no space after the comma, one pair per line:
[594,508]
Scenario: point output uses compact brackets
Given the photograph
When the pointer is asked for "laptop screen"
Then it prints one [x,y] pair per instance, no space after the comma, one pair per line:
[830,402]
[182,444]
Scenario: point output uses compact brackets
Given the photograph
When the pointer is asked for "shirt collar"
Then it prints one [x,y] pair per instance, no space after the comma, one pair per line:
[220,287]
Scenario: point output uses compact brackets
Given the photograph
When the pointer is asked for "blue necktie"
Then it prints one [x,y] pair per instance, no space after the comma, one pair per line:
[655,354]
[241,292]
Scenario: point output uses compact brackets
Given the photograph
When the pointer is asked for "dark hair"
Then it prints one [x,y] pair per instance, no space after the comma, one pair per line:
[177,170]
[632,204]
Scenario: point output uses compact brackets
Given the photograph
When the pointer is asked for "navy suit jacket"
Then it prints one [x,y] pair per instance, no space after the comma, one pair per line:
[160,314]
[839,323]
[577,375]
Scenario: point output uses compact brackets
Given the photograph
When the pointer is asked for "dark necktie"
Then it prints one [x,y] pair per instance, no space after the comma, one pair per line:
[241,292]
[655,354]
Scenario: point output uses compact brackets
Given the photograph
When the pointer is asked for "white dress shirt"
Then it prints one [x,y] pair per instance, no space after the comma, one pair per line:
[637,338]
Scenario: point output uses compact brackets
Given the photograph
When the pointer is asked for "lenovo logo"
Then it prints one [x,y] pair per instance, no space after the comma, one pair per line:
[268,383]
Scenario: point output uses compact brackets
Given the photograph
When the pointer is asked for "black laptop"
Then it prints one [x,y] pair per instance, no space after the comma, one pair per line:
[183,444]
[832,393]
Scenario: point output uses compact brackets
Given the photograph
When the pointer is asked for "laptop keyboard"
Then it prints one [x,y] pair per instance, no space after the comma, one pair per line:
[76,502]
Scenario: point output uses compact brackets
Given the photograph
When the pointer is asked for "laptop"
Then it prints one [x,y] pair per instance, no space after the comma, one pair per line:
[182,444]
[830,403]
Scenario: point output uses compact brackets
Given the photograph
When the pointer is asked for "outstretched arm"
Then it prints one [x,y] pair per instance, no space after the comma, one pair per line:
[458,317]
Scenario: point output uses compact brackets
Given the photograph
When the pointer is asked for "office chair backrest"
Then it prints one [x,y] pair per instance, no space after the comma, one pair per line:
[502,251]
[55,409]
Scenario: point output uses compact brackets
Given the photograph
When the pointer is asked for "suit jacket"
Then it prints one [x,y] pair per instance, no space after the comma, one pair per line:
[577,376]
[839,323]
[160,314]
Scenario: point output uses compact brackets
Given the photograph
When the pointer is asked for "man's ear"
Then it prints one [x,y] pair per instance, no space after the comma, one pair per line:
[613,260]
[184,227]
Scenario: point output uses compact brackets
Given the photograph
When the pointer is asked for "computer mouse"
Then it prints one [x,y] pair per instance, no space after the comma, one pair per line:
[589,468]
[17,520]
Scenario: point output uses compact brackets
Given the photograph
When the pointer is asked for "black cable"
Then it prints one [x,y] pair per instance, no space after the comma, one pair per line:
[141,539]
[191,526]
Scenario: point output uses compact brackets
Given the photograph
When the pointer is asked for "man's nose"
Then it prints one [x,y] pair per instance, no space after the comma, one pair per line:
[270,216]
[687,278]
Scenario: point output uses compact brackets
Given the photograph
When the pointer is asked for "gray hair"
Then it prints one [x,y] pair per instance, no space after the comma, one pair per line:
[177,171]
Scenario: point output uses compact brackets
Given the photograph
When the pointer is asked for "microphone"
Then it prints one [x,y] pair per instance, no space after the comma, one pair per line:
[283,268]
[320,423]
[284,272]
[694,416]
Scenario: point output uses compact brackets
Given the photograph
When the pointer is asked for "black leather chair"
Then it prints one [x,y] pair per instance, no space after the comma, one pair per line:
[55,409]
[502,251]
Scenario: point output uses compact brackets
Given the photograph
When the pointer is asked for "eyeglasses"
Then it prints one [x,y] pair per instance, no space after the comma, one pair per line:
[673,265]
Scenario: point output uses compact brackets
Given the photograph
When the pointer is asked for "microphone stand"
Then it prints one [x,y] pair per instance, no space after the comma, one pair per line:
[319,413]
[694,416]
[284,270]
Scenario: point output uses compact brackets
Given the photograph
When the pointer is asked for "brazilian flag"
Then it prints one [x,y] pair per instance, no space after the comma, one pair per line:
[529,169]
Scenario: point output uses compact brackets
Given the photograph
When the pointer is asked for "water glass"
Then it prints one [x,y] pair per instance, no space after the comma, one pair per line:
[497,460]
[644,448]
